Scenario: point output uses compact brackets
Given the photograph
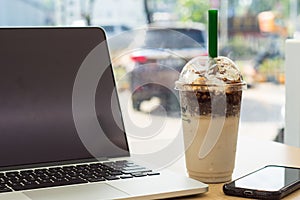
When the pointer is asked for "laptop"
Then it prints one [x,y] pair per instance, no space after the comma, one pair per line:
[61,130]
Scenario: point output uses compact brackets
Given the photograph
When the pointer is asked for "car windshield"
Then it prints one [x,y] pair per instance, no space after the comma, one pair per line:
[174,38]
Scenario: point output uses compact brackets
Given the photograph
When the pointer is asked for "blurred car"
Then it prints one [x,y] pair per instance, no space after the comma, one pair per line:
[112,30]
[158,62]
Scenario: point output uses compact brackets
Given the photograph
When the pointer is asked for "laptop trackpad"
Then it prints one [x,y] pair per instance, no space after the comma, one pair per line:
[88,191]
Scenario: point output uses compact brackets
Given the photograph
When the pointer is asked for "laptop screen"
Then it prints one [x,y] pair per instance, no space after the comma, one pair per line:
[39,72]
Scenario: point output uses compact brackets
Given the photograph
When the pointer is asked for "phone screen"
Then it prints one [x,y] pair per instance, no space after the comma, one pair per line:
[270,182]
[270,178]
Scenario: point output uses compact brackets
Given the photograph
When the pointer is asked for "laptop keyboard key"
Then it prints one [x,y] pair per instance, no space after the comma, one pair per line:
[153,173]
[12,174]
[4,188]
[115,173]
[26,172]
[136,171]
[139,174]
[96,179]
[3,181]
[111,177]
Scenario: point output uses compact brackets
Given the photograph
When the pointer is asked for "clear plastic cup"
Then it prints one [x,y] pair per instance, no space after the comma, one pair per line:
[210,98]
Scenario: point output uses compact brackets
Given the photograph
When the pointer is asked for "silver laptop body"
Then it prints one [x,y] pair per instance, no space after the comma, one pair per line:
[59,108]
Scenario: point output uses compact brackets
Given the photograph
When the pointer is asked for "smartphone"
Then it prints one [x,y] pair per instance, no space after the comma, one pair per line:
[269,182]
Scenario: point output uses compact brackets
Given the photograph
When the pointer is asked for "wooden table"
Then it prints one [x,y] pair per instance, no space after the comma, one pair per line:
[253,154]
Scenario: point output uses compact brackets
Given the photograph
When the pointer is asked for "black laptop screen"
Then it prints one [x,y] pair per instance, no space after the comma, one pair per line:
[39,68]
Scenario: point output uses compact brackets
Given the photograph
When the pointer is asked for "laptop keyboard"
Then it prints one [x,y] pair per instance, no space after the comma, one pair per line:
[68,175]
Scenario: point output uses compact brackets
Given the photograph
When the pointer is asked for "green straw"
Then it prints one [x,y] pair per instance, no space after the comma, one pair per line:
[213,33]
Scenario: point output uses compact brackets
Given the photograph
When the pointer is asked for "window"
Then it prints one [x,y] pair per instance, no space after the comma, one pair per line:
[252,33]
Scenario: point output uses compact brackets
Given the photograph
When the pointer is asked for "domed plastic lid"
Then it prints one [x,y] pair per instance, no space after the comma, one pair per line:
[204,73]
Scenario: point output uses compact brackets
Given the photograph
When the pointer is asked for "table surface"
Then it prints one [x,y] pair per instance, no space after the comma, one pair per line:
[253,154]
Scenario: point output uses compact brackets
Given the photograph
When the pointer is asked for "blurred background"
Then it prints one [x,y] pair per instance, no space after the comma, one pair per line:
[151,40]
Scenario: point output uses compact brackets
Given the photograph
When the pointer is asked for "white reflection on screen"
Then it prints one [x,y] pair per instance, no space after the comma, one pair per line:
[269,179]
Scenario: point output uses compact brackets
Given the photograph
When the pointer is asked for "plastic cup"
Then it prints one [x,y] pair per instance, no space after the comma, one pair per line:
[210,111]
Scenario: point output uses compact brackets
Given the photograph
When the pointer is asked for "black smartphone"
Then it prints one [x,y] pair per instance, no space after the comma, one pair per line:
[269,182]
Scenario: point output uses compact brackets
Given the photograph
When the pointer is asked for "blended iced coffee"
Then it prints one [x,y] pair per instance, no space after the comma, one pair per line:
[210,98]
